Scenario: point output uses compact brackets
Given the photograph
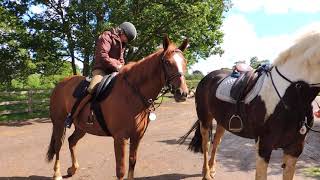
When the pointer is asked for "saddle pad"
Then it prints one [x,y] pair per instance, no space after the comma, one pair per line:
[224,88]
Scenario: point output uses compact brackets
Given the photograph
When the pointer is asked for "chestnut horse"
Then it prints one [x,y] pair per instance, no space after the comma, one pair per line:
[278,117]
[126,109]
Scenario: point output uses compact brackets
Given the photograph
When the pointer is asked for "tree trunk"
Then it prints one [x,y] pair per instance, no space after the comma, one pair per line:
[86,64]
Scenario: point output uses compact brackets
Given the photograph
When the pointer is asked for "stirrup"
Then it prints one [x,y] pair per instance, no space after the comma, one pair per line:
[68,121]
[233,118]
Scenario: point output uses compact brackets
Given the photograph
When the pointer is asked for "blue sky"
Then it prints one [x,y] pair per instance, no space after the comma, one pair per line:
[262,28]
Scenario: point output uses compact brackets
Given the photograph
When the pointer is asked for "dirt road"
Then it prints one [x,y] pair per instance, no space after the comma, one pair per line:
[23,147]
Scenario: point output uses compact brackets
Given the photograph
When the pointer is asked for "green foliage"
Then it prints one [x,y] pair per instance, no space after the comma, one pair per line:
[40,109]
[312,171]
[194,79]
[200,21]
[14,57]
[33,81]
[255,62]
[192,84]
[40,43]
[37,81]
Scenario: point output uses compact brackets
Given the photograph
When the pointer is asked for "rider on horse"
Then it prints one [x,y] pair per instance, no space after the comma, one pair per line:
[109,52]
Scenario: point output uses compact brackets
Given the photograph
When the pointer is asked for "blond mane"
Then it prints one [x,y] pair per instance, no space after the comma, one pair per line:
[306,47]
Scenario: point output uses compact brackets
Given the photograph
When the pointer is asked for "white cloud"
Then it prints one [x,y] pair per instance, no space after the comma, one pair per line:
[247,5]
[37,9]
[242,43]
[278,7]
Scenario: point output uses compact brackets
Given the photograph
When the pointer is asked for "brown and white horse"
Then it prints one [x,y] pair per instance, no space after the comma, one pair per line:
[126,109]
[276,118]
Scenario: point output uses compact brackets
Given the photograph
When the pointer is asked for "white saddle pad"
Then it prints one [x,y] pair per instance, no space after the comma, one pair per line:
[224,88]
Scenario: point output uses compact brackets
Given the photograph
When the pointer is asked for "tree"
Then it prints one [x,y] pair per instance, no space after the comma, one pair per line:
[66,30]
[197,72]
[14,56]
[200,21]
[254,62]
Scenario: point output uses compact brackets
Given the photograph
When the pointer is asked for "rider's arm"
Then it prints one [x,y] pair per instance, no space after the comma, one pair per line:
[105,42]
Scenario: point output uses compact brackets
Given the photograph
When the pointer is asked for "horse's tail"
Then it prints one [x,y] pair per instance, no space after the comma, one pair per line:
[196,142]
[51,149]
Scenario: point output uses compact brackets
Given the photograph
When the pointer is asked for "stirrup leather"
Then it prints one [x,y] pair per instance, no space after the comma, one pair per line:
[91,118]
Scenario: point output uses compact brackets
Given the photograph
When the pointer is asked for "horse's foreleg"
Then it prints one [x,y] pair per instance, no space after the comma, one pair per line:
[119,151]
[262,160]
[205,147]
[216,141]
[134,143]
[73,139]
[289,163]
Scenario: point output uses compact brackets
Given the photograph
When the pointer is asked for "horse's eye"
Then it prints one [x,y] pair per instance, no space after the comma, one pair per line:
[167,62]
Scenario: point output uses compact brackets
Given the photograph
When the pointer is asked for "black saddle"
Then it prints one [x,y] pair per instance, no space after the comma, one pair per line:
[102,92]
[244,83]
[105,87]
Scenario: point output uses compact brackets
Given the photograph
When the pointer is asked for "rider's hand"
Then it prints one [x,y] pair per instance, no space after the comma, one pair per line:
[119,67]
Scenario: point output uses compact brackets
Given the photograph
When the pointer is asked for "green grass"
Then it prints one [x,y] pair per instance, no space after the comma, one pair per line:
[165,98]
[13,97]
[313,172]
[40,109]
[23,116]
[192,84]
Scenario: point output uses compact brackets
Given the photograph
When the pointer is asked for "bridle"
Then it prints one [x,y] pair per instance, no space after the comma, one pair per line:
[168,78]
[313,85]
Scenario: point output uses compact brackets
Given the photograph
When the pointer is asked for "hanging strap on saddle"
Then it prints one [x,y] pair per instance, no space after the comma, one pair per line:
[79,93]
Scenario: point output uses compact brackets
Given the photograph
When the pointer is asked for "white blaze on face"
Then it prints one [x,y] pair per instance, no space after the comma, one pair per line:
[179,61]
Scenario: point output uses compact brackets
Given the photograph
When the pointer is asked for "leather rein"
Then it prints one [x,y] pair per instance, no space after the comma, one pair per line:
[150,103]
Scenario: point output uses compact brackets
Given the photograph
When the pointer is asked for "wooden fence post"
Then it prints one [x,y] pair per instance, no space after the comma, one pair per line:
[30,101]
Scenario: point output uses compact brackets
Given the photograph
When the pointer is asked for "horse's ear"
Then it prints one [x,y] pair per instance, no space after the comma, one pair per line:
[166,41]
[184,45]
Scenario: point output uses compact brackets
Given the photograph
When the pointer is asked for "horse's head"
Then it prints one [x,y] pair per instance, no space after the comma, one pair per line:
[174,66]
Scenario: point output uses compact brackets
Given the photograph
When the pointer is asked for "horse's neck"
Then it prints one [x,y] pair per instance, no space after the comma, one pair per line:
[268,93]
[147,76]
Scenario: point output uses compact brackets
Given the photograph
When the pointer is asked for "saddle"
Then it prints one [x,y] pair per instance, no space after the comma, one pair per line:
[243,84]
[102,91]
[244,81]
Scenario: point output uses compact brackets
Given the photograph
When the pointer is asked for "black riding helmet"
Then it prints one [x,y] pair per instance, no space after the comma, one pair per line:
[129,30]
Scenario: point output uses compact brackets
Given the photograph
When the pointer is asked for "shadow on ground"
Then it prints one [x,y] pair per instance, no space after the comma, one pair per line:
[168,177]
[26,178]
[21,123]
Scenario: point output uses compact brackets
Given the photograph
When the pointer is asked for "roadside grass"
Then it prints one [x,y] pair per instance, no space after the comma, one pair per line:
[312,172]
[41,110]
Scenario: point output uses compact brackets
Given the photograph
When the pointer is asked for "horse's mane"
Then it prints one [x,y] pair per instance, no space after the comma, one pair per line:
[140,68]
[307,47]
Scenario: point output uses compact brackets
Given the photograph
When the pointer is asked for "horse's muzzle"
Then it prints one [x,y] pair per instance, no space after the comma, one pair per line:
[180,95]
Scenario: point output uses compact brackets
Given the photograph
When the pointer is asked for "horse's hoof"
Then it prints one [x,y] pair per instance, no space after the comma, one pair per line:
[213,174]
[71,171]
[57,178]
[207,178]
